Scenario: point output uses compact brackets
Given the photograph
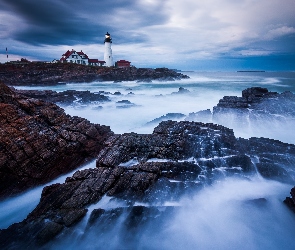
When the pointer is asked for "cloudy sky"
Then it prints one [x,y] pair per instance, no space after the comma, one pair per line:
[186,34]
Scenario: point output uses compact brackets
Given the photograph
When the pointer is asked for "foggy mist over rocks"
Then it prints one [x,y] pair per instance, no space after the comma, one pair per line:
[229,214]
[239,210]
[156,99]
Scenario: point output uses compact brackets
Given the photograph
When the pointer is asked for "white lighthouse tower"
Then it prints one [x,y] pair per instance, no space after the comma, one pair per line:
[108,57]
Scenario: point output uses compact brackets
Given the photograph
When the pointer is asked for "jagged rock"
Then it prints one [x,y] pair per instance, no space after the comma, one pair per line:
[38,141]
[178,158]
[181,90]
[290,201]
[125,104]
[136,217]
[65,97]
[255,104]
[258,112]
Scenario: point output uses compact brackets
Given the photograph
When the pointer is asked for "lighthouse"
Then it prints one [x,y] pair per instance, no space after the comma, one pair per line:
[108,57]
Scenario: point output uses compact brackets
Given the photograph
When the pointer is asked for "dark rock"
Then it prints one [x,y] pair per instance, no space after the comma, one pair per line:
[97,108]
[67,97]
[290,201]
[169,116]
[181,91]
[125,104]
[140,74]
[136,223]
[255,93]
[38,73]
[256,106]
[259,202]
[38,141]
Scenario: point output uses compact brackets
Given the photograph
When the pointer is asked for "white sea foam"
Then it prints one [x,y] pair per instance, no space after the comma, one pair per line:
[16,209]
[230,214]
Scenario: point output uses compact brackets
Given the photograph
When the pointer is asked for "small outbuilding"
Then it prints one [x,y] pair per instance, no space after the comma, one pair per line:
[122,64]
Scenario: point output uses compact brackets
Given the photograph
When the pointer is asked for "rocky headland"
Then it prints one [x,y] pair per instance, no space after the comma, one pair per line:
[40,73]
[178,158]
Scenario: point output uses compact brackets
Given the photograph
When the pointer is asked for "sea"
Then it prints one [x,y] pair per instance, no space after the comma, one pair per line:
[214,218]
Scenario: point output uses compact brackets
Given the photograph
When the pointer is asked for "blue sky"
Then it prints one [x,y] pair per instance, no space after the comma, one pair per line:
[188,34]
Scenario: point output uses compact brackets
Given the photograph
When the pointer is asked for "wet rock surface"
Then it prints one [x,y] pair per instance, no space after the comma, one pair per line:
[255,105]
[39,73]
[290,201]
[152,169]
[67,97]
[38,141]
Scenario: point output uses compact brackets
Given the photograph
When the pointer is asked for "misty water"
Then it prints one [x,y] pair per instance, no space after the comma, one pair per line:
[219,216]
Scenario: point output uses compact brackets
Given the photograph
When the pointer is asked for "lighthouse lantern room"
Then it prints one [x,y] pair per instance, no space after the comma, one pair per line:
[108,57]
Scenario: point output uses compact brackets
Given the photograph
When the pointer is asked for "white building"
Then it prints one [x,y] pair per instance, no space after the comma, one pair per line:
[108,57]
[80,58]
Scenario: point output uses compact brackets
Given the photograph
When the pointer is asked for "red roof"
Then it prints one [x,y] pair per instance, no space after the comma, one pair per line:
[68,53]
[123,61]
[82,54]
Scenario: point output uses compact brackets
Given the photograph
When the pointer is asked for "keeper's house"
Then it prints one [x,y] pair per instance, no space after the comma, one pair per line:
[80,58]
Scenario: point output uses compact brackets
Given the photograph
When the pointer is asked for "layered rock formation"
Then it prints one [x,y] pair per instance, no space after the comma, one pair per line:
[38,73]
[67,97]
[38,141]
[178,158]
[256,104]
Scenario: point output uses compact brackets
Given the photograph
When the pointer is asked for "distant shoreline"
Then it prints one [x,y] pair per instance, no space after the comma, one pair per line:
[250,71]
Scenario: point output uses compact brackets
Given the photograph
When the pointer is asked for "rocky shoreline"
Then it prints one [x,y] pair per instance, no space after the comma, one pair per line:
[39,73]
[39,142]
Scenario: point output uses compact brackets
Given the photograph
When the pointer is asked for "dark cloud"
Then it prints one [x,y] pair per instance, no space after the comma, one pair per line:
[52,22]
